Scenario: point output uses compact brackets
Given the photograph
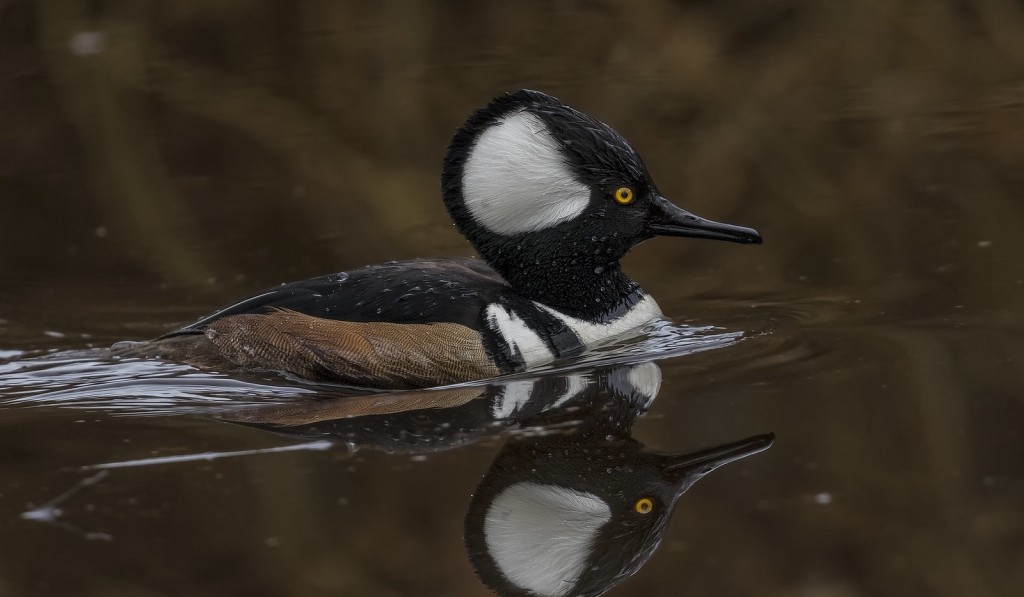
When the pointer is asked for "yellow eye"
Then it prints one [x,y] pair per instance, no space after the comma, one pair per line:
[624,195]
[643,505]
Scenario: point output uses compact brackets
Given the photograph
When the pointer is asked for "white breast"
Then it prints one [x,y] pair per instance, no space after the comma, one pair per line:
[596,334]
[522,339]
[518,336]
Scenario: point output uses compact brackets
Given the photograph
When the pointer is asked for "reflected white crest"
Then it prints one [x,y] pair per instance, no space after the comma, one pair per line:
[540,536]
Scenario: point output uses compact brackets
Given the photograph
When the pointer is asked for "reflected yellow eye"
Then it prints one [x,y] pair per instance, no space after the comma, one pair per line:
[624,195]
[643,505]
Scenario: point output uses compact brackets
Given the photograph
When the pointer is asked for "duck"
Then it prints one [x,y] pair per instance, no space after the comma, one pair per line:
[427,421]
[573,516]
[572,503]
[550,198]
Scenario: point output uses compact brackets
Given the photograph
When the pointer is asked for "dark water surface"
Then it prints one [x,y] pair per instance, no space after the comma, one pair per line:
[160,161]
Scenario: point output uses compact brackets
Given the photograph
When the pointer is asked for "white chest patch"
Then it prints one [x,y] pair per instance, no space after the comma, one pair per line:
[515,178]
[540,536]
[518,336]
[596,334]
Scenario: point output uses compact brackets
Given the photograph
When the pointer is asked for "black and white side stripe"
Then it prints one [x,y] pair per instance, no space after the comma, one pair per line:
[522,334]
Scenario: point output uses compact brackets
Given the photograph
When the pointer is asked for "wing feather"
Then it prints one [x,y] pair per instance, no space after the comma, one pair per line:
[370,354]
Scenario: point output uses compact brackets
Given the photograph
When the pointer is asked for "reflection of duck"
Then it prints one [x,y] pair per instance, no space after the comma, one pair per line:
[559,516]
[549,197]
[572,504]
[429,420]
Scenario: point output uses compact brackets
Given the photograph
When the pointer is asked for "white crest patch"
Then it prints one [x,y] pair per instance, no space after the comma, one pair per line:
[516,180]
[596,334]
[518,336]
[540,536]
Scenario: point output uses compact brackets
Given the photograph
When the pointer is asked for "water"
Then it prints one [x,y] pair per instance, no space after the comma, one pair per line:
[159,165]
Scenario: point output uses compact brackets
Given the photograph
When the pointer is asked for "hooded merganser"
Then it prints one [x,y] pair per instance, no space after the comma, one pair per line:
[549,197]
[425,421]
[571,505]
[572,516]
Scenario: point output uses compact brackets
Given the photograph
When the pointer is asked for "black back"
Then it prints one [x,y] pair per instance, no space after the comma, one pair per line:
[422,291]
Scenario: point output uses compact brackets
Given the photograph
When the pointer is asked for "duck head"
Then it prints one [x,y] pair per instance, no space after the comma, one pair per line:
[531,182]
[574,516]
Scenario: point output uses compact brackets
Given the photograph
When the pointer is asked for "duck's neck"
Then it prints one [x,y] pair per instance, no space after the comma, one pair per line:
[578,285]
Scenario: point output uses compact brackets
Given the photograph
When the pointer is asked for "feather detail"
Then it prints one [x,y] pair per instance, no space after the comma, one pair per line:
[372,354]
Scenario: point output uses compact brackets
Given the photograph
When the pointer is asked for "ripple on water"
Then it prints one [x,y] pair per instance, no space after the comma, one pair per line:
[93,380]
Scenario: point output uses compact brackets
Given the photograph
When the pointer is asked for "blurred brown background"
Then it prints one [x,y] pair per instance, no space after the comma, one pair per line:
[179,141]
[159,159]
